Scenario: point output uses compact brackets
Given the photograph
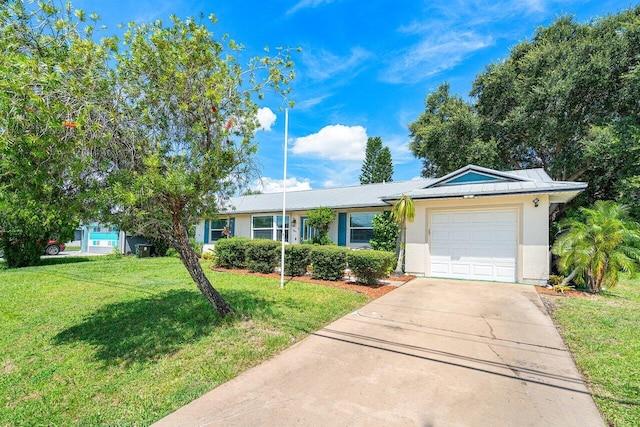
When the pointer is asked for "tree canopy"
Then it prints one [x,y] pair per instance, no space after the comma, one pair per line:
[51,86]
[566,101]
[377,165]
[154,133]
[447,136]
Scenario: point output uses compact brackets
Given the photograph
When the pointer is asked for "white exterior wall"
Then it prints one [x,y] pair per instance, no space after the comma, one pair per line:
[200,232]
[535,241]
[333,228]
[532,239]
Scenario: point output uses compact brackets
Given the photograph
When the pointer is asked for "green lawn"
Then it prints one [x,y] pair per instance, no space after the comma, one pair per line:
[603,333]
[99,341]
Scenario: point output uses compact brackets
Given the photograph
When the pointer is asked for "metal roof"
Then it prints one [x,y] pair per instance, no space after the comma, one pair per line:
[357,196]
[528,181]
[498,189]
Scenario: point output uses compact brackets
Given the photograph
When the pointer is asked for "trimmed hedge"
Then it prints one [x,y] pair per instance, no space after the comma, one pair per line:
[230,253]
[369,266]
[329,262]
[296,259]
[262,255]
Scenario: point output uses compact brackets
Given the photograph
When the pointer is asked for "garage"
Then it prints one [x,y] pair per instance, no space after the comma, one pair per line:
[474,244]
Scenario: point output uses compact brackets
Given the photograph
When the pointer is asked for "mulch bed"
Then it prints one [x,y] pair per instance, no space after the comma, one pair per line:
[371,291]
[568,293]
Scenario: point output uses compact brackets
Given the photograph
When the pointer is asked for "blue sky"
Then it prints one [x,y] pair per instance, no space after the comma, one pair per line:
[365,68]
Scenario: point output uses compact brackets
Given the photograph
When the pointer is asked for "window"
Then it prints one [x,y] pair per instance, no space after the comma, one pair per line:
[95,243]
[360,227]
[96,229]
[114,243]
[269,227]
[307,232]
[219,228]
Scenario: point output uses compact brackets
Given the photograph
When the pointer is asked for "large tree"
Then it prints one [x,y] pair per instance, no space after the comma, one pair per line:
[52,81]
[447,136]
[566,101]
[153,133]
[377,165]
[186,122]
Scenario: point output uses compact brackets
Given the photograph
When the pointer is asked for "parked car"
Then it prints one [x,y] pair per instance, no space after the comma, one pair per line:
[54,247]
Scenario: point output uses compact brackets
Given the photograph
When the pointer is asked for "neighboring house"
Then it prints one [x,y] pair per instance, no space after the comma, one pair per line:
[101,238]
[475,223]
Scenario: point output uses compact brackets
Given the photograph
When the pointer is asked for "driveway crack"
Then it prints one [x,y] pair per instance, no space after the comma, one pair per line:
[493,335]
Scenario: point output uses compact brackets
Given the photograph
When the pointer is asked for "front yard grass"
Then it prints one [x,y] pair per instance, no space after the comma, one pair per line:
[95,341]
[603,333]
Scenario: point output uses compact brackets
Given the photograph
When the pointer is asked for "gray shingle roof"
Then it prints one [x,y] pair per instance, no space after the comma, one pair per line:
[529,181]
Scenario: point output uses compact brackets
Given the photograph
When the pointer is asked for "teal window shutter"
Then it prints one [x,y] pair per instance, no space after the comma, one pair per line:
[342,229]
[206,231]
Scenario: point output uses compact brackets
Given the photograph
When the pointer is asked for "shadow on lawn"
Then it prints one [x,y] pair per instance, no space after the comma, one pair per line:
[53,261]
[149,328]
[66,260]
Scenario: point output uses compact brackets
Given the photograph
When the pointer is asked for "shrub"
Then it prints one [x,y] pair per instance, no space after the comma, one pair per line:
[262,255]
[385,231]
[597,250]
[230,253]
[320,219]
[296,259]
[561,289]
[329,262]
[555,280]
[369,266]
[160,246]
[171,252]
[23,252]
[209,255]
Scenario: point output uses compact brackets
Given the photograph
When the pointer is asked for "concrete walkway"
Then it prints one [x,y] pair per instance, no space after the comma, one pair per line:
[431,353]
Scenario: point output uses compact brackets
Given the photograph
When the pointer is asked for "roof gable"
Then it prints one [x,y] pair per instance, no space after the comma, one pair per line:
[474,175]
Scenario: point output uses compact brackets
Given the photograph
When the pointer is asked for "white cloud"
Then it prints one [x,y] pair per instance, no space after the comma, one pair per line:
[310,103]
[469,13]
[399,146]
[435,53]
[331,184]
[271,185]
[304,4]
[266,118]
[334,142]
[322,64]
[450,32]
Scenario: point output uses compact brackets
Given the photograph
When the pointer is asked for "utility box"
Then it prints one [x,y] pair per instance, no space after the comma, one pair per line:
[144,251]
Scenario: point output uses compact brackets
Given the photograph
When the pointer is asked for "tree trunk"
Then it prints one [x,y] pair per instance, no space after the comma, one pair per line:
[192,263]
[403,238]
[570,277]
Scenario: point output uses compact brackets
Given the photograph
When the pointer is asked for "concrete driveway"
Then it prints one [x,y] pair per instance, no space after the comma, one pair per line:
[431,353]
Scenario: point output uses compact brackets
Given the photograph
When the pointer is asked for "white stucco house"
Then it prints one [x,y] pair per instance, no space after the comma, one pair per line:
[475,223]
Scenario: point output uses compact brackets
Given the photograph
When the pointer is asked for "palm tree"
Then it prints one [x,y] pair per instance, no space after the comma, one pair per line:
[403,211]
[598,249]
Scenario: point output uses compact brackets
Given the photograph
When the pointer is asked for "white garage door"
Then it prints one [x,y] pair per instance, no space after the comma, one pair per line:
[474,245]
